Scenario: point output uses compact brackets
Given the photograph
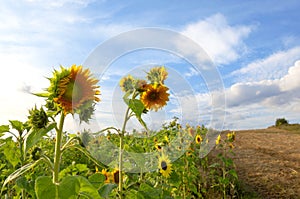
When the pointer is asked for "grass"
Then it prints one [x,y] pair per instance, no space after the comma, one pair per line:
[293,128]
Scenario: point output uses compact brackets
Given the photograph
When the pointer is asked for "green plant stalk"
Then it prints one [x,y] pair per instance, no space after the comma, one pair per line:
[121,152]
[22,158]
[57,152]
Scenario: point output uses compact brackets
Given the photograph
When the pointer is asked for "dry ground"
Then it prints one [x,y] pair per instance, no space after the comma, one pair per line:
[268,162]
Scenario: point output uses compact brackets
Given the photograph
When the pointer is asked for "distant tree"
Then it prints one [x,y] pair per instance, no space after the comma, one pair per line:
[281,121]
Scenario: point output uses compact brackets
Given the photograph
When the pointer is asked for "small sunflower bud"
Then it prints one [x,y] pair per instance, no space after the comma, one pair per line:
[38,118]
[36,153]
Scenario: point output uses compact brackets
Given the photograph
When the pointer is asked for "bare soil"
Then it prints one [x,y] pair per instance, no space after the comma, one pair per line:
[268,162]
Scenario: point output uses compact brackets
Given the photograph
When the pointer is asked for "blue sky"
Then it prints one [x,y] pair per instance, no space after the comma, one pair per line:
[255,46]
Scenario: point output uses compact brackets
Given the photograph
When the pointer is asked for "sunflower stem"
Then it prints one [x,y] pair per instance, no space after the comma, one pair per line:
[57,153]
[121,152]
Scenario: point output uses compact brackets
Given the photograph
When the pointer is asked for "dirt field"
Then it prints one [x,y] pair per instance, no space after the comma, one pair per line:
[268,162]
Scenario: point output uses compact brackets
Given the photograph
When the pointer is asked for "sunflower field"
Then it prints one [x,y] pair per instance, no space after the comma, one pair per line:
[41,160]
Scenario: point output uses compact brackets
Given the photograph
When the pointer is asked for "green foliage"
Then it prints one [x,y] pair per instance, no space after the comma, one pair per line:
[281,121]
[44,188]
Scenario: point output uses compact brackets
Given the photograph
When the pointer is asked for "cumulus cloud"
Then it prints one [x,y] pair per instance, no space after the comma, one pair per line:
[272,67]
[223,42]
[282,90]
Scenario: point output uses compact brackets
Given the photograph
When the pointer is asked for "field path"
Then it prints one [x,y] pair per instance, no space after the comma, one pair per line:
[268,162]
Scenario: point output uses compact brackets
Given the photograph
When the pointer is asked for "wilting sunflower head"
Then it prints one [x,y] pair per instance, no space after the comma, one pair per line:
[127,84]
[72,87]
[191,131]
[165,166]
[141,85]
[157,75]
[155,96]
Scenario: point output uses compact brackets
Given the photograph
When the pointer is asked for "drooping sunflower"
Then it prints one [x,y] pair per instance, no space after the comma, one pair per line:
[127,83]
[198,139]
[72,88]
[165,166]
[191,131]
[157,75]
[155,96]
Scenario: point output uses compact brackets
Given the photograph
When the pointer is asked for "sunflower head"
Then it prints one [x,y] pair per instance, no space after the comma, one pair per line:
[157,75]
[198,139]
[115,175]
[165,166]
[127,84]
[108,176]
[191,131]
[141,85]
[72,88]
[158,146]
[231,136]
[155,96]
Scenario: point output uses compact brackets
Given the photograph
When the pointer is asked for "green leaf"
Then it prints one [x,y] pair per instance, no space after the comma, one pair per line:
[175,179]
[87,189]
[24,184]
[73,187]
[13,158]
[3,129]
[17,173]
[44,188]
[97,180]
[105,190]
[34,136]
[17,125]
[126,97]
[233,173]
[148,191]
[41,94]
[136,106]
[69,187]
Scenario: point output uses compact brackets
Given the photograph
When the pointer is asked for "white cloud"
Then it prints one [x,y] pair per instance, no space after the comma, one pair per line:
[17,77]
[254,104]
[291,82]
[272,67]
[222,42]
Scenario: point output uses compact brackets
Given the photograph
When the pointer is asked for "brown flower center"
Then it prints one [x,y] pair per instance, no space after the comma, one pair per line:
[153,95]
[163,165]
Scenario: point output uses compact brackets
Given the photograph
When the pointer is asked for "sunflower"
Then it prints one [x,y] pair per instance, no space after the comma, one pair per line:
[198,139]
[191,131]
[155,96]
[141,85]
[158,146]
[115,176]
[127,83]
[157,75]
[108,176]
[165,166]
[218,139]
[72,88]
[231,136]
